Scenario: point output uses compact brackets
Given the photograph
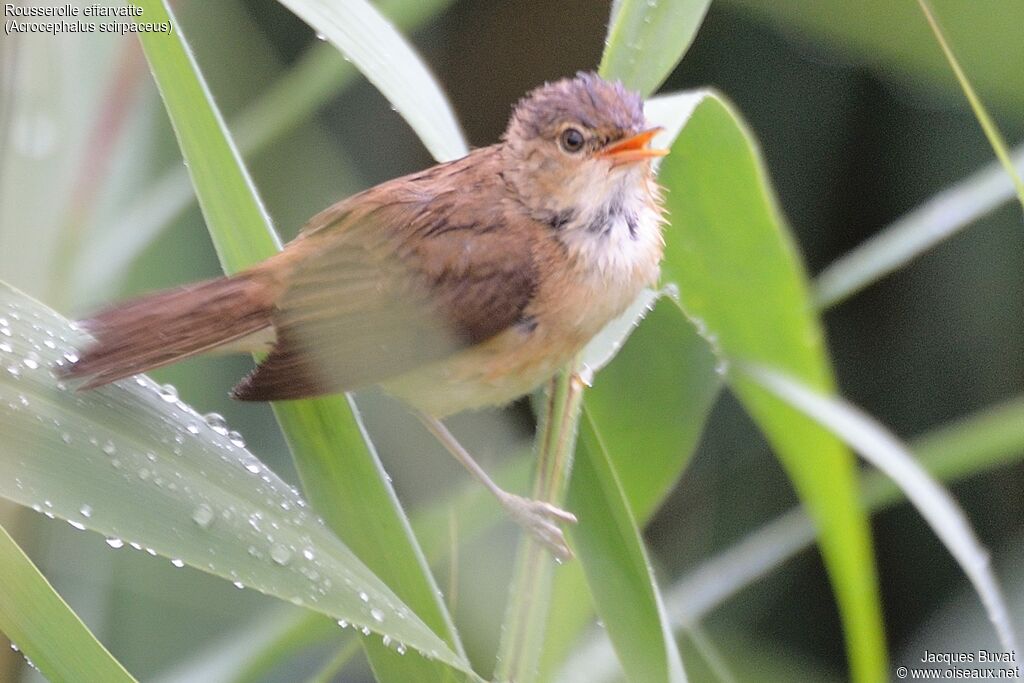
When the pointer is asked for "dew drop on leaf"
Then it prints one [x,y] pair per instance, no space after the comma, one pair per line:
[168,393]
[281,555]
[203,515]
[216,422]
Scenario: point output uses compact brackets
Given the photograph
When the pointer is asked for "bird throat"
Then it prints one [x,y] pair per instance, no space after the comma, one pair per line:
[617,238]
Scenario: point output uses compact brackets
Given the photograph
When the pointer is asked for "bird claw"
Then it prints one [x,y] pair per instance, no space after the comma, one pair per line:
[541,519]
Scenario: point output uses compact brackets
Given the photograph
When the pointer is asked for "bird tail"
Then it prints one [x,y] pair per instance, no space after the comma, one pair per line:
[167,326]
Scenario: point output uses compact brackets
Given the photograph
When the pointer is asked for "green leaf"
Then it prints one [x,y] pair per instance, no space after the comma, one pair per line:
[647,409]
[385,58]
[885,452]
[741,280]
[618,572]
[286,103]
[134,463]
[977,443]
[43,627]
[345,481]
[647,38]
[650,404]
[980,442]
[995,138]
[226,193]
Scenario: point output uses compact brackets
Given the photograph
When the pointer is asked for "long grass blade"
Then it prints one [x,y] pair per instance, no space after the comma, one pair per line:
[741,281]
[995,138]
[977,443]
[336,462]
[925,227]
[287,102]
[647,38]
[885,452]
[44,628]
[378,50]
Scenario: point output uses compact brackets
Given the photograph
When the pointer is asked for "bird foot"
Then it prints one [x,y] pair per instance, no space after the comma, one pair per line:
[541,519]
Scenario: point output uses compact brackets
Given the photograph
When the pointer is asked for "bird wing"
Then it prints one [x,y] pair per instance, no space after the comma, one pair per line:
[381,291]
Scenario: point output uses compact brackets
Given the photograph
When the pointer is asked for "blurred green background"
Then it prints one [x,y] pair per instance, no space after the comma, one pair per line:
[859,121]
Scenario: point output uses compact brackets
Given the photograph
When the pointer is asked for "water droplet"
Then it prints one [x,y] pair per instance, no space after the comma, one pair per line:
[5,347]
[86,510]
[178,563]
[386,640]
[238,584]
[30,362]
[400,648]
[281,555]
[216,422]
[109,448]
[363,596]
[308,554]
[65,437]
[203,515]
[5,331]
[115,543]
[236,439]
[76,525]
[15,372]
[377,615]
[365,630]
[320,36]
[168,393]
[71,356]
[252,468]
[192,428]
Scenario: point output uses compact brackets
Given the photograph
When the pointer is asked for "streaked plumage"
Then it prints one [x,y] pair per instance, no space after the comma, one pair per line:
[464,285]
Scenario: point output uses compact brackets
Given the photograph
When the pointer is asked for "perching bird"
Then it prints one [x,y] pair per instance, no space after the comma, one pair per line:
[461,286]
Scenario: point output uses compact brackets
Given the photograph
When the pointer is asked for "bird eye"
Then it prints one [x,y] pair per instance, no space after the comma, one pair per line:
[571,140]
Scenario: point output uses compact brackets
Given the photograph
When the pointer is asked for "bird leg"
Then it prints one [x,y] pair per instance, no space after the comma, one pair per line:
[538,517]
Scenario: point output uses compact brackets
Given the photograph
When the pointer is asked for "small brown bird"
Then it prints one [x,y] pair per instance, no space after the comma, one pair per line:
[462,286]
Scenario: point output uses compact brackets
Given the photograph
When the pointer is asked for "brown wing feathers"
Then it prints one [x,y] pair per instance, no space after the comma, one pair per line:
[385,282]
[167,326]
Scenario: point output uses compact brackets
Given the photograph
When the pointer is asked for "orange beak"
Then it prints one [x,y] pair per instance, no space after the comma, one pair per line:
[633,149]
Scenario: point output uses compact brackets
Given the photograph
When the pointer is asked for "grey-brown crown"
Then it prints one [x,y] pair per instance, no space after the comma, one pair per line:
[587,99]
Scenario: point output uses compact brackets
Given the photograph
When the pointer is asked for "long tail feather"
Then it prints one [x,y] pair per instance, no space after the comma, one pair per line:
[164,327]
